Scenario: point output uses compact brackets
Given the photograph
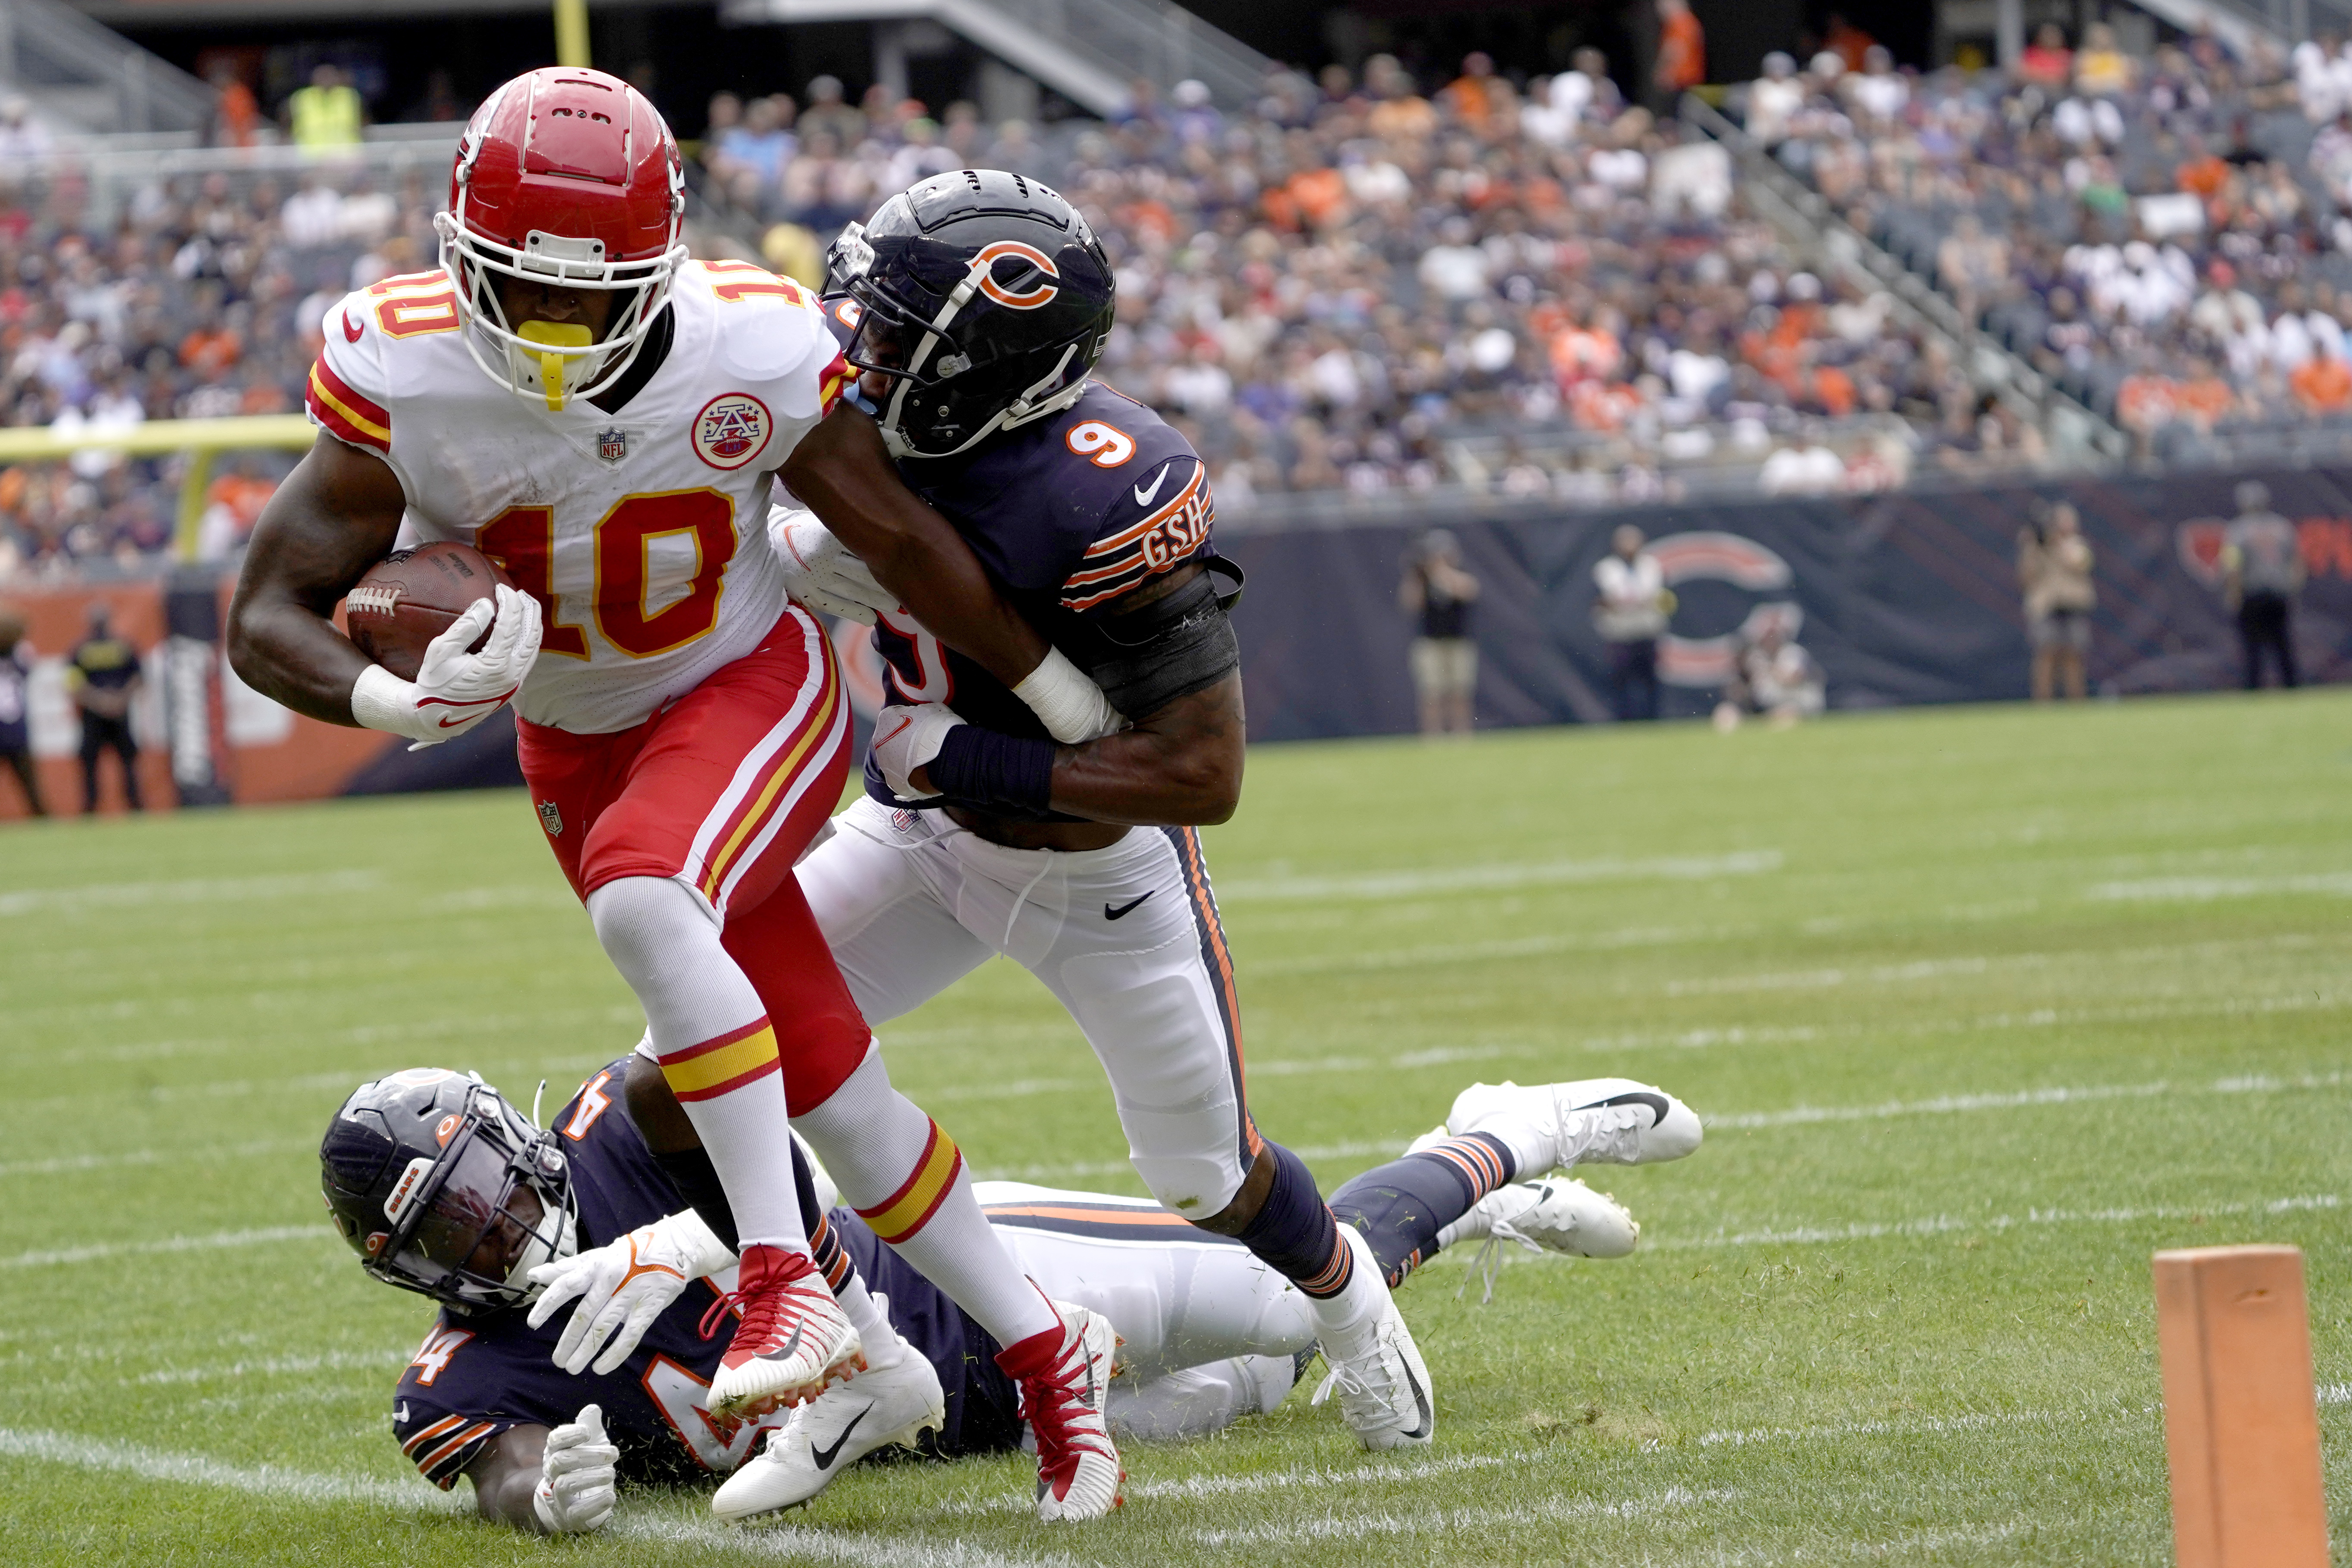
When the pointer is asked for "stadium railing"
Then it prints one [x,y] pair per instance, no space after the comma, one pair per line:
[201,441]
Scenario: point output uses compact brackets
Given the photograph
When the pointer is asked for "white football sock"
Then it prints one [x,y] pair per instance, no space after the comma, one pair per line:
[883,1345]
[713,1042]
[904,1176]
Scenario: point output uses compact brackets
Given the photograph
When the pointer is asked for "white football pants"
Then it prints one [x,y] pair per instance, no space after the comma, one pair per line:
[1127,937]
[1211,1332]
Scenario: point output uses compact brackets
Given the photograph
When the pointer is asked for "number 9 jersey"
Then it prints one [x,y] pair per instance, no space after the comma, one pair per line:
[638,521]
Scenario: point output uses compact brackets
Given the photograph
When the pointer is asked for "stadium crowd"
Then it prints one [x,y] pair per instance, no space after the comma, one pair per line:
[2167,235]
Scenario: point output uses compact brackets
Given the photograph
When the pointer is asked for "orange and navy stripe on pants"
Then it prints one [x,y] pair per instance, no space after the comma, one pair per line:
[1476,1159]
[908,1209]
[1218,959]
[718,1066]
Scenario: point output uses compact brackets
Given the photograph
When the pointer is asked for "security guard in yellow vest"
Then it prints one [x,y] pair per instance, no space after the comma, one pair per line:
[327,114]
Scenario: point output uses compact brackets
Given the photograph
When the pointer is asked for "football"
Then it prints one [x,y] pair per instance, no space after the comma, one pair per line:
[410,596]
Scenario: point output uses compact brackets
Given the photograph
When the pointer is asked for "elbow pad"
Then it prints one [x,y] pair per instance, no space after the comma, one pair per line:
[1170,648]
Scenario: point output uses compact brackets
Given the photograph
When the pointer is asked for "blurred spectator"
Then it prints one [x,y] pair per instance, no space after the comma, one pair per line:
[327,114]
[1774,99]
[2054,567]
[236,112]
[1629,612]
[1773,676]
[1681,64]
[1438,593]
[21,135]
[2263,573]
[16,709]
[103,676]
[2047,62]
[826,114]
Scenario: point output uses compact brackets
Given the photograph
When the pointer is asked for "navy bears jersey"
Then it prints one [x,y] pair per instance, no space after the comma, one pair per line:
[1069,514]
[477,1376]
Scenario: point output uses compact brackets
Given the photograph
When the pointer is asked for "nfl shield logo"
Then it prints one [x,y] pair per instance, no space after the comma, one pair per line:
[550,818]
[611,446]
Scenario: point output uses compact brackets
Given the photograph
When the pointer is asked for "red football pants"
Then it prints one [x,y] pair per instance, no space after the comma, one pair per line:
[722,790]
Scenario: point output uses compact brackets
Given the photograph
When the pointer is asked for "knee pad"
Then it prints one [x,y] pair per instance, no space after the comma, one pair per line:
[642,921]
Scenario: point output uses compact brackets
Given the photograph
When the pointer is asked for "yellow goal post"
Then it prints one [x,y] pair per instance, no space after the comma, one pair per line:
[201,439]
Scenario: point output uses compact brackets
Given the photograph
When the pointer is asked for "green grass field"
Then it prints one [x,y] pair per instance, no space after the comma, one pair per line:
[1981,1007]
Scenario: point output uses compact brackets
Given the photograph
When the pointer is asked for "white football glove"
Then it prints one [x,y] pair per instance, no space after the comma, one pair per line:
[623,1286]
[904,739]
[577,1478]
[455,690]
[821,571]
[1071,706]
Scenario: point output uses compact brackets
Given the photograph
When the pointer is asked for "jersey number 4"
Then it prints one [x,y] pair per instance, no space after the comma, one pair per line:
[522,538]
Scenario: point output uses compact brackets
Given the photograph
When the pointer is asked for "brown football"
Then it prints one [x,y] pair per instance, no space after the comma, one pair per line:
[410,596]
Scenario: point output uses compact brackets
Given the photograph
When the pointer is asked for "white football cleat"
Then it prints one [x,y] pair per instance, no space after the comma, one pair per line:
[1384,1391]
[1594,1120]
[1064,1376]
[792,1341]
[1561,1215]
[849,1421]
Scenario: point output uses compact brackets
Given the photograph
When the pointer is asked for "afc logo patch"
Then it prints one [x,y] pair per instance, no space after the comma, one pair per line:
[611,446]
[550,818]
[731,429]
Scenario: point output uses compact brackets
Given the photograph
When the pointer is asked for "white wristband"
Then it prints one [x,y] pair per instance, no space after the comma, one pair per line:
[1071,707]
[382,701]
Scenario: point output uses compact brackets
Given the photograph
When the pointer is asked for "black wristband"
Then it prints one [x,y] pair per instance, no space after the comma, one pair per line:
[988,768]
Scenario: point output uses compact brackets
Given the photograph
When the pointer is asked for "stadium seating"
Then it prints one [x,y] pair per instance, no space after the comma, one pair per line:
[2165,237]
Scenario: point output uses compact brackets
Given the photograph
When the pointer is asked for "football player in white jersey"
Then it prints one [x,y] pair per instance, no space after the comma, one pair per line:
[572,397]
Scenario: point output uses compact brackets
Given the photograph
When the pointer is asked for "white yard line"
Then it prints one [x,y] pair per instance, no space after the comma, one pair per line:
[263,1237]
[1941,1225]
[195,890]
[2205,890]
[67,1163]
[1359,1524]
[1469,879]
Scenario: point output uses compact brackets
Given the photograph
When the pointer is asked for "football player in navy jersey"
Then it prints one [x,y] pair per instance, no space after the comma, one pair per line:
[442,1187]
[974,306]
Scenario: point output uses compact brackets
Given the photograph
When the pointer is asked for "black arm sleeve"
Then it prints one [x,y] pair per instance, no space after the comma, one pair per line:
[1170,648]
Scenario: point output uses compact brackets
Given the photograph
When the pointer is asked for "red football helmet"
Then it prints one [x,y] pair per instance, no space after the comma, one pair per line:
[567,177]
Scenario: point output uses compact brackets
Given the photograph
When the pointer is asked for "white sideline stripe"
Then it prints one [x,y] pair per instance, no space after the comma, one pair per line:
[2205,890]
[1975,963]
[796,1542]
[1939,1225]
[1465,878]
[326,1361]
[1357,1526]
[1481,951]
[218,1239]
[67,1163]
[1198,1489]
[260,1480]
[195,890]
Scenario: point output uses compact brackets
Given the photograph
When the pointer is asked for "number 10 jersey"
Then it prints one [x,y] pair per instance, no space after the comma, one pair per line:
[642,531]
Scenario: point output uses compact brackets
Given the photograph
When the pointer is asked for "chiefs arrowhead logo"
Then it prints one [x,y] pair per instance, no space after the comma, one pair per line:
[352,329]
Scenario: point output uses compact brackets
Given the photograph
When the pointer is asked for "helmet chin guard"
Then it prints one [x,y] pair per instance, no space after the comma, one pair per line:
[565,179]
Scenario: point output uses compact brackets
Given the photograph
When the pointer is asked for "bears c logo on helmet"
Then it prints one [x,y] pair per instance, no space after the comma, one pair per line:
[1029,299]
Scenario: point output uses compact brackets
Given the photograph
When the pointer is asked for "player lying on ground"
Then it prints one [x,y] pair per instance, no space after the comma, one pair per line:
[569,394]
[1210,1334]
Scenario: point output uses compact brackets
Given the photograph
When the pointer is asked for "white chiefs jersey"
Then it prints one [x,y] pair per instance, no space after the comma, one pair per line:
[643,534]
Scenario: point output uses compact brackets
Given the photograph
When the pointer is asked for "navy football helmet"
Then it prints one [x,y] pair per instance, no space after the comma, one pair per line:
[443,1188]
[986,299]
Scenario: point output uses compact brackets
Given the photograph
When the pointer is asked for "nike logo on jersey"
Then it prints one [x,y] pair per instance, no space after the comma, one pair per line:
[1144,497]
[400,1417]
[826,1457]
[1124,911]
[352,329]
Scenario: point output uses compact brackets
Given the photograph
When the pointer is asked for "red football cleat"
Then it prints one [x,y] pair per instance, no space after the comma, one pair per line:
[1064,1375]
[793,1339]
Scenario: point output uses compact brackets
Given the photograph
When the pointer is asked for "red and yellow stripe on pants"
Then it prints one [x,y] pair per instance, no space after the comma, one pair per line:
[906,1211]
[729,1062]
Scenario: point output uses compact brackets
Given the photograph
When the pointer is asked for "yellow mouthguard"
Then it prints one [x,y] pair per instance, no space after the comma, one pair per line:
[554,335]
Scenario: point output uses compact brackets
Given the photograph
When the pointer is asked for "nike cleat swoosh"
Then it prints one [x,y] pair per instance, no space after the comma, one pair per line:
[824,1457]
[789,1346]
[1658,1103]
